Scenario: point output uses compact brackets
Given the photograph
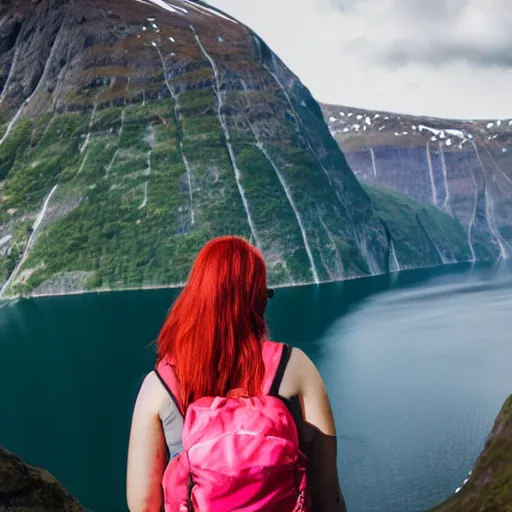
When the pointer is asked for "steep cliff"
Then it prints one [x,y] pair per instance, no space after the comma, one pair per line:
[133,131]
[463,168]
[489,487]
[25,488]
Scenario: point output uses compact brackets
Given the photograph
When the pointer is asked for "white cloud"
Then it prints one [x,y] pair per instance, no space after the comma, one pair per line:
[449,58]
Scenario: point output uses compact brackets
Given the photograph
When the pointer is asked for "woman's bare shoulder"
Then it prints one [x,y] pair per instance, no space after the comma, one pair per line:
[152,394]
[300,372]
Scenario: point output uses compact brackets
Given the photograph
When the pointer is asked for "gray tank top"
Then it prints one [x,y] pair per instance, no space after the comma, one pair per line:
[172,423]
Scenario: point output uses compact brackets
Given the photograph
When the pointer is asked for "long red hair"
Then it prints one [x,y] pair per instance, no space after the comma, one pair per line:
[214,330]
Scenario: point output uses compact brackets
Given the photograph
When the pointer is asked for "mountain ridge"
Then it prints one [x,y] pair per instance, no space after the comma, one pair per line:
[382,111]
[205,78]
[133,132]
[462,167]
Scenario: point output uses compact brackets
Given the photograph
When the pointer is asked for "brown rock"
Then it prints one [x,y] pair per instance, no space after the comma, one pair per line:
[25,488]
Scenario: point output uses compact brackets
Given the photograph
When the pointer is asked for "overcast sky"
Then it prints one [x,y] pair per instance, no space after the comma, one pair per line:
[447,58]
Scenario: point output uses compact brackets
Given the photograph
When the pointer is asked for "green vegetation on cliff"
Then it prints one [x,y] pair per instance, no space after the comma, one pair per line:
[419,232]
[128,156]
[461,166]
[489,488]
[121,160]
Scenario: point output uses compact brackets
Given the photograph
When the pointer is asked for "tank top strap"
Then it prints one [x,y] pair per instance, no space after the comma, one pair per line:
[165,372]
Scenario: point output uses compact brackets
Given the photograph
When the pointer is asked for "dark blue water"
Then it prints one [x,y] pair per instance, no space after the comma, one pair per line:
[417,367]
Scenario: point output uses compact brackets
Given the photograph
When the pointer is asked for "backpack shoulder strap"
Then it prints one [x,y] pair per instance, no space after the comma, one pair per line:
[167,376]
[275,357]
[283,362]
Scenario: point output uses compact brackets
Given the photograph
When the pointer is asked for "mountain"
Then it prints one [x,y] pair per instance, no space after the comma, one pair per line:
[462,167]
[25,488]
[133,131]
[489,486]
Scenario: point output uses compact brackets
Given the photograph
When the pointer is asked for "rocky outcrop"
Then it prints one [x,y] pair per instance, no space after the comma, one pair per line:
[25,488]
[489,486]
[462,167]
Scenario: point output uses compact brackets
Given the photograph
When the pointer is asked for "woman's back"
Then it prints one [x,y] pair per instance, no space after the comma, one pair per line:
[213,338]
[303,390]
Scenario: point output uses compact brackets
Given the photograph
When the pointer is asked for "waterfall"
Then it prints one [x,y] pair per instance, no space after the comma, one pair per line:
[431,173]
[374,165]
[82,165]
[109,166]
[122,126]
[12,123]
[446,202]
[362,246]
[339,261]
[444,259]
[496,165]
[90,127]
[261,147]
[120,133]
[489,210]
[227,137]
[299,130]
[10,75]
[30,241]
[392,253]
[174,97]
[145,198]
[297,216]
[189,180]
[147,173]
[35,91]
[472,221]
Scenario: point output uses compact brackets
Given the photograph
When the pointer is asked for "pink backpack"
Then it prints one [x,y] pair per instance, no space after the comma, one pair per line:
[240,453]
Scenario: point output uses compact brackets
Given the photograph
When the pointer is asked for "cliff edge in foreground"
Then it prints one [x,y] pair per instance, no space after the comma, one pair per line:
[27,488]
[490,486]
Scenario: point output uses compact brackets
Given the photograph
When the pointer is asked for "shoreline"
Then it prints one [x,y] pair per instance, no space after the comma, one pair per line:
[176,286]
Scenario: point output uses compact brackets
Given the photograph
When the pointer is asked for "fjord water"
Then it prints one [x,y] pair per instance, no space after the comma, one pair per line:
[417,366]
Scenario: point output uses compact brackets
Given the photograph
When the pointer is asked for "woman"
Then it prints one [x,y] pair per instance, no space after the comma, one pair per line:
[213,342]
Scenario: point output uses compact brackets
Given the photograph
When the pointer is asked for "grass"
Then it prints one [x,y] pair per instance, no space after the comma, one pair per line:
[489,488]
